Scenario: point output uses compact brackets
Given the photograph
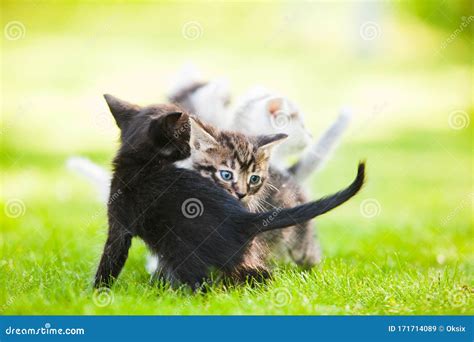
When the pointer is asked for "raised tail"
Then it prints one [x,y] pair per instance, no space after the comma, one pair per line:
[96,174]
[315,155]
[283,217]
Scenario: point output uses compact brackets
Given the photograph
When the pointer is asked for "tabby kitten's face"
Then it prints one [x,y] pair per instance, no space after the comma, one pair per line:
[235,162]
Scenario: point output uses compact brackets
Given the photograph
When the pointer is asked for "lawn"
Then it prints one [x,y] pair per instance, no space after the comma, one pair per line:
[404,245]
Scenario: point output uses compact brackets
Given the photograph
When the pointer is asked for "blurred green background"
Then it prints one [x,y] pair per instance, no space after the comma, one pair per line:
[404,245]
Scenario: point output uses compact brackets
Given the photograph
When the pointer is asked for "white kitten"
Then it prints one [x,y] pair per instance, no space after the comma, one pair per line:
[211,102]
[207,100]
[261,112]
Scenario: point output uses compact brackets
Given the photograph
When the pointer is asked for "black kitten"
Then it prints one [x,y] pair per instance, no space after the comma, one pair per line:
[193,225]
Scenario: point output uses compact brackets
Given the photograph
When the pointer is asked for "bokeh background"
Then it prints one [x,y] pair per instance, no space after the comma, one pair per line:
[403,246]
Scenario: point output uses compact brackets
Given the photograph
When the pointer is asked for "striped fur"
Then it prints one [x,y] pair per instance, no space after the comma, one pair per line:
[213,151]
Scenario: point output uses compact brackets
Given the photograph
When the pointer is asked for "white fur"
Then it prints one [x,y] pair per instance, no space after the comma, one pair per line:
[253,92]
[315,155]
[184,164]
[151,263]
[96,174]
[254,117]
[211,101]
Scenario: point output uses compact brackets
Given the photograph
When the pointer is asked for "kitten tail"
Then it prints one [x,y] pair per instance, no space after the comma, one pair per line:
[281,218]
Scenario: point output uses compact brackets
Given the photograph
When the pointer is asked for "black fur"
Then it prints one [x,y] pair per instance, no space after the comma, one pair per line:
[153,192]
[307,211]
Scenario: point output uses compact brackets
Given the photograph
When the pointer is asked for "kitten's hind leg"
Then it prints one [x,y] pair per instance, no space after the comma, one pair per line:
[194,275]
[303,247]
[258,276]
[114,256]
[253,276]
[157,277]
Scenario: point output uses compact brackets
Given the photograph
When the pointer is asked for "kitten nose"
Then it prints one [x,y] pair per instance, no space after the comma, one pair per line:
[240,195]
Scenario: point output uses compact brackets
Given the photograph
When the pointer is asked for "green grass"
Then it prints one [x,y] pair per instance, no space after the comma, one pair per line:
[415,256]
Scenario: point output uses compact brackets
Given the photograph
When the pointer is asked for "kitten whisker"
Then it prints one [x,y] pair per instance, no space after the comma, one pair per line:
[273,187]
[266,202]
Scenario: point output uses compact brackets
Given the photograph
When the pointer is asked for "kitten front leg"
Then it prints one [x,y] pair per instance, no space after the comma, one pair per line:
[114,256]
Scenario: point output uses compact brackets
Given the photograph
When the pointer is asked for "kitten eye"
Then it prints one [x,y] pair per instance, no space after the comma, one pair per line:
[226,175]
[254,179]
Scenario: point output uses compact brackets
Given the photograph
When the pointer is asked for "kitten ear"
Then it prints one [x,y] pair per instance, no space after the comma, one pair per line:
[274,105]
[166,126]
[266,142]
[200,139]
[170,121]
[120,109]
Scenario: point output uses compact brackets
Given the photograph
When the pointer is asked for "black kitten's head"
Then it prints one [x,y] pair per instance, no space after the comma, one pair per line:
[162,129]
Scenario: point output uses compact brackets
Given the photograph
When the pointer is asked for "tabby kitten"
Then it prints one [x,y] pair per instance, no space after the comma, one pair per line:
[241,165]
